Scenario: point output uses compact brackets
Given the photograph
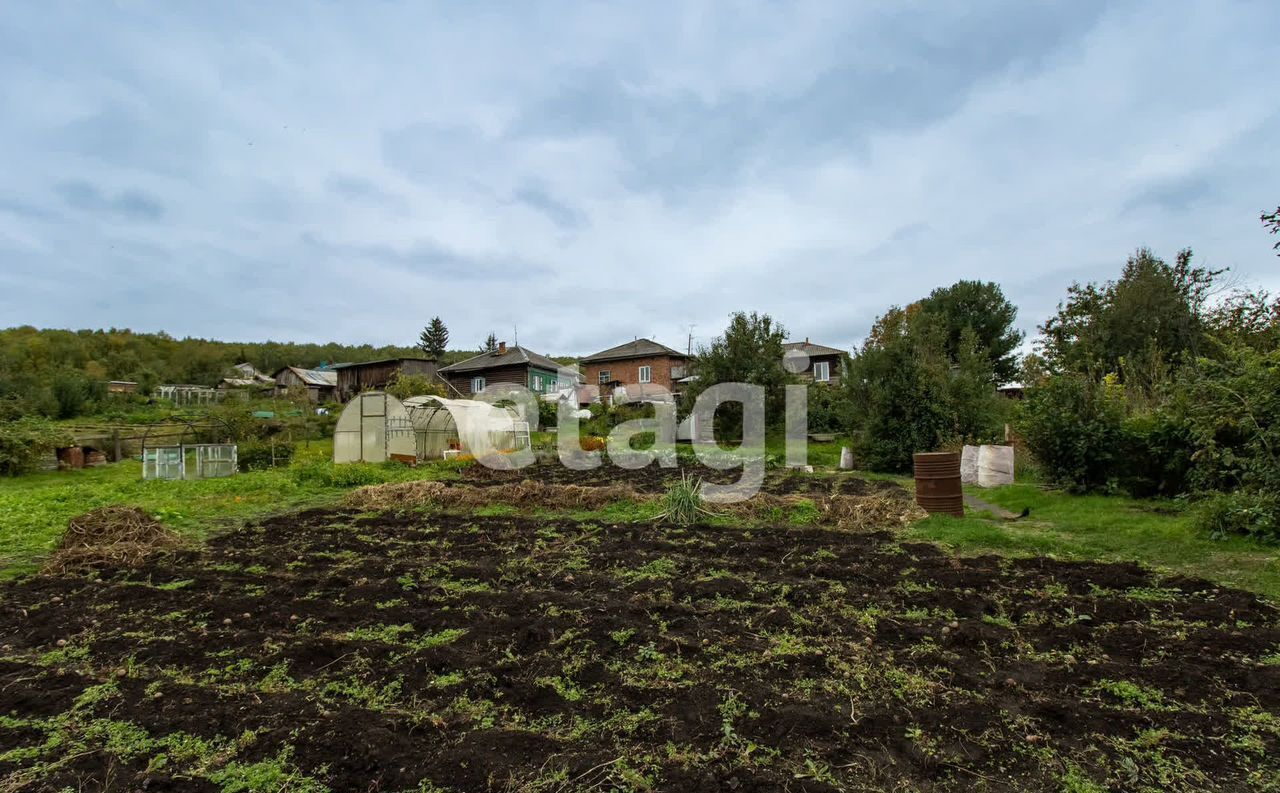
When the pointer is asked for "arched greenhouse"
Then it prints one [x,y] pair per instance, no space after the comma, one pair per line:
[469,426]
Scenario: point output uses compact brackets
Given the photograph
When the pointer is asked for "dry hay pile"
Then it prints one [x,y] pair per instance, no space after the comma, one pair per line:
[109,537]
[527,493]
[881,510]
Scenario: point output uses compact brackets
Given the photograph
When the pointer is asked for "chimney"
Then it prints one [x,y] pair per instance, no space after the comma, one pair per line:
[806,341]
[502,348]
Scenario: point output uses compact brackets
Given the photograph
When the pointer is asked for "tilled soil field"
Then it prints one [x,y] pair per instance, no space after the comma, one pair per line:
[653,479]
[427,652]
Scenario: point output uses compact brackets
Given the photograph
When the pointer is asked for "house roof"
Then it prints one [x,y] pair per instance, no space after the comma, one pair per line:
[316,377]
[382,361]
[514,356]
[810,348]
[640,348]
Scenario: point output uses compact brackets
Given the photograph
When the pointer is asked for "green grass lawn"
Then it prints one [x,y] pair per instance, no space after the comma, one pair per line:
[1111,528]
[34,509]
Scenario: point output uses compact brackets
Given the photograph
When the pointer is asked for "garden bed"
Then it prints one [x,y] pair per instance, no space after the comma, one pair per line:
[426,651]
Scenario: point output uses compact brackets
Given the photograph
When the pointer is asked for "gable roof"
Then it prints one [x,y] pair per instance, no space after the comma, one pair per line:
[514,356]
[382,361]
[316,377]
[809,347]
[640,348]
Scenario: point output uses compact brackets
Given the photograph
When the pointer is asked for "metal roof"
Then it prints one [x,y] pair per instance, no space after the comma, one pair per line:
[640,348]
[316,377]
[515,355]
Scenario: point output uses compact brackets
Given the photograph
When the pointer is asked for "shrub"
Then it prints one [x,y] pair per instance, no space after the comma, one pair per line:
[27,441]
[1249,512]
[1074,427]
[830,409]
[1233,405]
[1158,451]
[548,413]
[410,385]
[260,455]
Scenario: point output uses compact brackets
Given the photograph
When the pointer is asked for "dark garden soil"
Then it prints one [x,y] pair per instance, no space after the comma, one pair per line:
[652,479]
[420,652]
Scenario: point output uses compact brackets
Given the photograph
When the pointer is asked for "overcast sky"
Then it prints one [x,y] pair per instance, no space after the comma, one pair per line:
[590,173]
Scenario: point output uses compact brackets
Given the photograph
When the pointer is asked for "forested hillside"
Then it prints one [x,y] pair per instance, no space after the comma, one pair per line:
[35,364]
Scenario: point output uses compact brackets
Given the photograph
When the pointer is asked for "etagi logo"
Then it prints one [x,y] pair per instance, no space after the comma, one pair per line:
[697,427]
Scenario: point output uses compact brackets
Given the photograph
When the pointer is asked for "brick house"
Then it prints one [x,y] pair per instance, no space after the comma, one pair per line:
[825,364]
[638,362]
[513,364]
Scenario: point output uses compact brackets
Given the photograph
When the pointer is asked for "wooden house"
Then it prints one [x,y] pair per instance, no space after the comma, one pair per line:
[321,385]
[513,364]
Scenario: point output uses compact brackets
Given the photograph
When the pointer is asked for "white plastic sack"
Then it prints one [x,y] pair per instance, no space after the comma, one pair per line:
[969,465]
[995,466]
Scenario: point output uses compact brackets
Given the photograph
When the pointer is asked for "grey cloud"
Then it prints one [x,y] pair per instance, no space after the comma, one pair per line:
[427,258]
[131,204]
[360,189]
[563,215]
[1172,194]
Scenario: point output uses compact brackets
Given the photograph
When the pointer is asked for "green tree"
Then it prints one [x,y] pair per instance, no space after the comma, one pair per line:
[490,344]
[70,393]
[908,394]
[1271,220]
[434,339]
[1139,326]
[982,308]
[749,351]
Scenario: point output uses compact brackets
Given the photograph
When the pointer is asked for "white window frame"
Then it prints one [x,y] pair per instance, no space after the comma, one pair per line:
[825,368]
[477,384]
[645,374]
[604,376]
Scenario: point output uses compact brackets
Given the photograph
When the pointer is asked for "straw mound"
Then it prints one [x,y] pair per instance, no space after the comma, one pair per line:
[527,493]
[881,510]
[109,537]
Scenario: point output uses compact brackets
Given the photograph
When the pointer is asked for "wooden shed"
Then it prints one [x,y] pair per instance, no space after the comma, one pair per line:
[354,378]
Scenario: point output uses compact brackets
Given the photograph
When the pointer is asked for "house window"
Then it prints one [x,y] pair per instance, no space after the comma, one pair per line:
[821,371]
[604,376]
[477,385]
[646,374]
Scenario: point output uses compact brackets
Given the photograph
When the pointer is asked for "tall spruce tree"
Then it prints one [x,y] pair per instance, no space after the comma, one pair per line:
[434,339]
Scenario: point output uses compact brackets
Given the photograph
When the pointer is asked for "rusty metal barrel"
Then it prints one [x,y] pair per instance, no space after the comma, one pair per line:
[938,483]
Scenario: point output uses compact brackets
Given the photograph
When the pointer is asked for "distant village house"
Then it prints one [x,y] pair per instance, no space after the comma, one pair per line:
[514,364]
[824,365]
[321,385]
